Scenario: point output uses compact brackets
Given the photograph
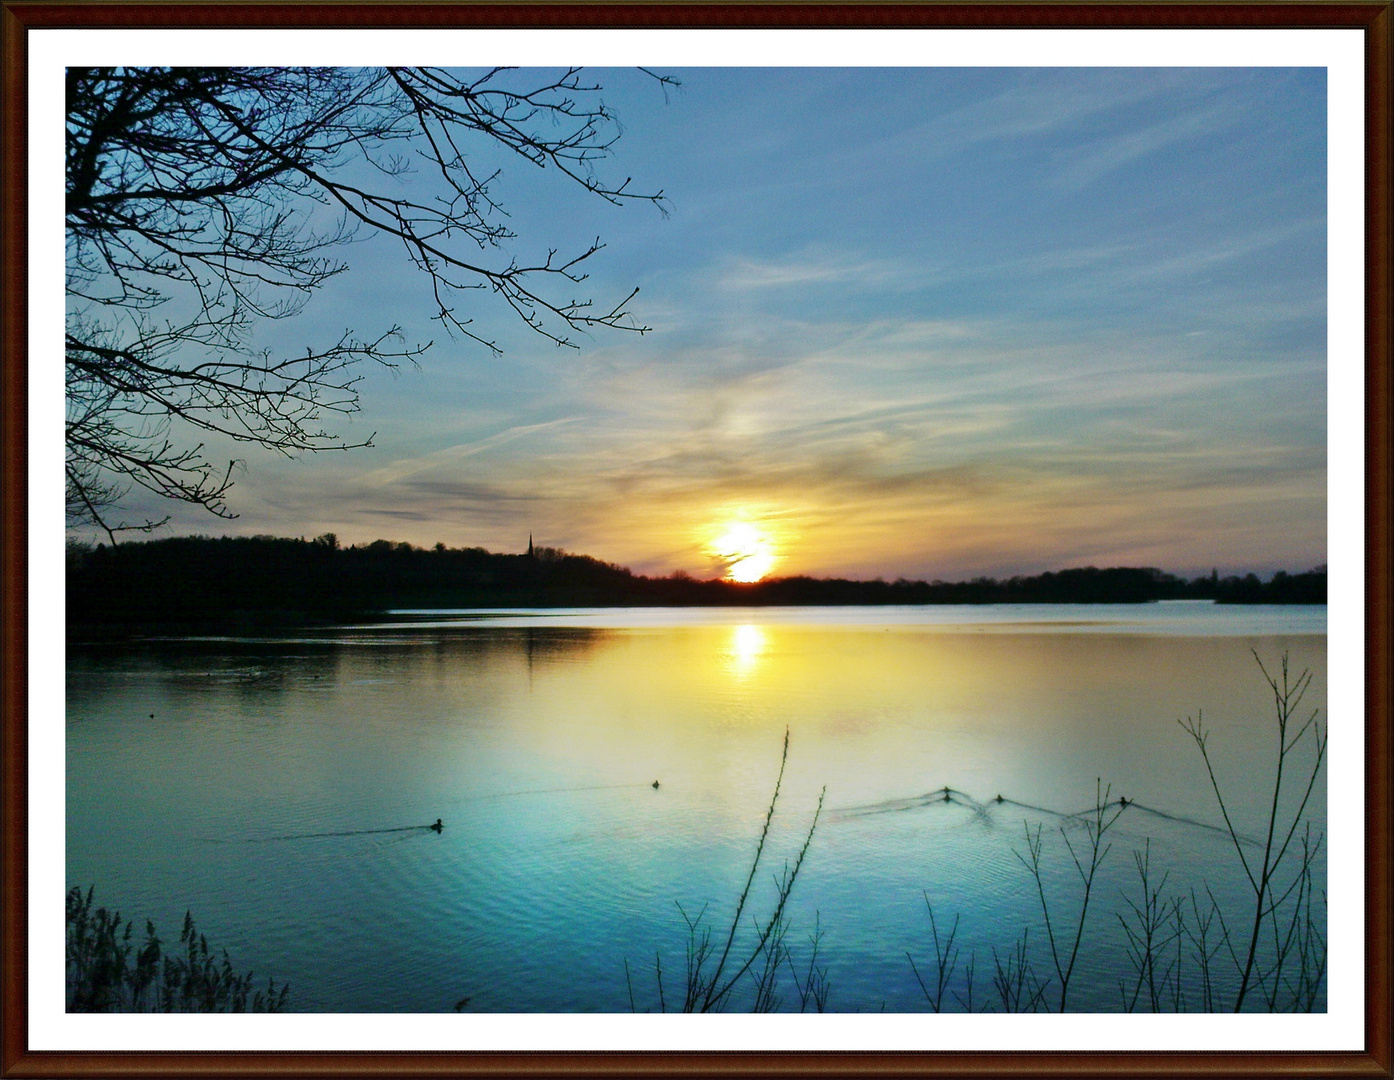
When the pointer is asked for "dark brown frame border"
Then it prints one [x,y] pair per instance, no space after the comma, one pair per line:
[17,17]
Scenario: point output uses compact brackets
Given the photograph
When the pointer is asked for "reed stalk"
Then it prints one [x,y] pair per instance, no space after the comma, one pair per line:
[1262,872]
[1095,828]
[713,974]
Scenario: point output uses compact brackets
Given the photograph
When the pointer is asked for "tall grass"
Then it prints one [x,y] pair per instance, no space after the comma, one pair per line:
[1186,952]
[110,970]
[1265,873]
[1152,925]
[745,962]
[1087,862]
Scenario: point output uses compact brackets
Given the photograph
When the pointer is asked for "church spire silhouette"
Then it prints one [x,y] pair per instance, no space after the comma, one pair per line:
[530,551]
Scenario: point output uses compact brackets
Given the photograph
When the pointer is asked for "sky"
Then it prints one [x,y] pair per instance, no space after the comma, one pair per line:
[923,323]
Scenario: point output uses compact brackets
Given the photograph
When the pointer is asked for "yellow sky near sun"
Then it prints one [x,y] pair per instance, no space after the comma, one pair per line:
[994,519]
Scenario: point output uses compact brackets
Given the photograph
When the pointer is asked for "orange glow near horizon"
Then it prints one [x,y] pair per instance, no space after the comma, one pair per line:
[745,550]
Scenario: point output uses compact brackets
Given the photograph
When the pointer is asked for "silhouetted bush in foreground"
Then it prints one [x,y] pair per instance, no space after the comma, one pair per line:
[108,970]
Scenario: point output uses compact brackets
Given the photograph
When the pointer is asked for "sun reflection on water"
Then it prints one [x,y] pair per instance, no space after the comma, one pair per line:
[748,643]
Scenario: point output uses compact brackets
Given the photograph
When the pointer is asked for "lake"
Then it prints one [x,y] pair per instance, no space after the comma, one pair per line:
[278,788]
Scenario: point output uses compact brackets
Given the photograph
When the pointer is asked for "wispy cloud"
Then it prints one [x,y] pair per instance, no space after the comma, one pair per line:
[1090,164]
[813,268]
[446,457]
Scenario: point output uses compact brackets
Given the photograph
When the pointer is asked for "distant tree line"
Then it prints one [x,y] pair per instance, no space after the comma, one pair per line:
[268,581]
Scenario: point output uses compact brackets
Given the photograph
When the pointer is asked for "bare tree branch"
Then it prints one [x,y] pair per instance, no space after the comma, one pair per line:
[218,197]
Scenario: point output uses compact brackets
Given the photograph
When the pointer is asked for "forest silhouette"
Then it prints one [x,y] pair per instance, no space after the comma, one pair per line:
[266,581]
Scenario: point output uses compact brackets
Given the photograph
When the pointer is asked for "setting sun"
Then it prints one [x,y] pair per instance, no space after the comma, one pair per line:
[745,552]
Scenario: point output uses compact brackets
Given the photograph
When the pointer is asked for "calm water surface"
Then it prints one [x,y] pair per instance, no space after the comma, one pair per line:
[251,781]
